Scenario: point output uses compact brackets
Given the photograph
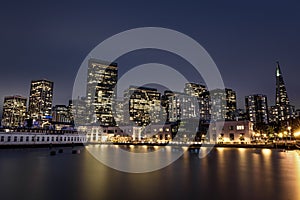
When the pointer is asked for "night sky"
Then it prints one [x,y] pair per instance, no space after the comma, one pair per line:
[245,39]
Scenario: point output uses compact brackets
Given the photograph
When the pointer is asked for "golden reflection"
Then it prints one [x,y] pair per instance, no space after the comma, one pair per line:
[242,150]
[297,165]
[220,149]
[266,152]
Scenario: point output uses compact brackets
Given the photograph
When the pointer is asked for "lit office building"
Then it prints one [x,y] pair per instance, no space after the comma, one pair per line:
[78,112]
[204,106]
[240,114]
[101,81]
[257,108]
[180,106]
[142,106]
[273,114]
[118,111]
[194,89]
[202,95]
[223,104]
[60,113]
[40,100]
[14,111]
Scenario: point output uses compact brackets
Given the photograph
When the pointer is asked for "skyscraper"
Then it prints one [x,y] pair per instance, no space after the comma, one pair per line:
[223,104]
[60,113]
[200,92]
[180,106]
[14,111]
[257,108]
[142,105]
[101,82]
[284,109]
[40,100]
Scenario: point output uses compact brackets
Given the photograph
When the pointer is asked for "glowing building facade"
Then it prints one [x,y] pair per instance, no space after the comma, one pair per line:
[257,108]
[40,100]
[142,106]
[180,106]
[222,104]
[60,113]
[14,111]
[200,92]
[101,82]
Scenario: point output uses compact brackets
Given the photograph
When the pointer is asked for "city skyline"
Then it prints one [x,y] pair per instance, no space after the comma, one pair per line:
[161,90]
[38,44]
[145,104]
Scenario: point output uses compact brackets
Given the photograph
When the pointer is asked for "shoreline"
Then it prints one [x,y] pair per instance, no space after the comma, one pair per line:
[190,147]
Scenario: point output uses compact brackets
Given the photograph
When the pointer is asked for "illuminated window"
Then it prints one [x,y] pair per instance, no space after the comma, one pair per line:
[240,127]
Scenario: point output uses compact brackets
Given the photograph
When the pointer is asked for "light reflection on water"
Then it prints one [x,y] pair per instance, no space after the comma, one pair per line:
[224,174]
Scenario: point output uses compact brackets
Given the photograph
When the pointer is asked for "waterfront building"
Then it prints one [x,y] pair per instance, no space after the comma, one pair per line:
[257,108]
[101,82]
[282,103]
[40,100]
[142,106]
[233,132]
[14,111]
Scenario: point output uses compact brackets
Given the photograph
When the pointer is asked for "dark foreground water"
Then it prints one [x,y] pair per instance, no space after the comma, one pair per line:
[224,174]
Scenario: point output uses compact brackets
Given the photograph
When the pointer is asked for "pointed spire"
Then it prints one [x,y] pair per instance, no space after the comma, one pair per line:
[278,71]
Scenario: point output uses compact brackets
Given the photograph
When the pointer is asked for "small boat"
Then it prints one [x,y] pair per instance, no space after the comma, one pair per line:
[60,151]
[52,153]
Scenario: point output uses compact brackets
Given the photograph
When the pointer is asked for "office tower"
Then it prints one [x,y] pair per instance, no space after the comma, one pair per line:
[142,106]
[180,106]
[240,114]
[257,108]
[202,95]
[273,114]
[14,111]
[223,104]
[40,100]
[230,104]
[194,89]
[70,111]
[284,109]
[60,113]
[118,110]
[101,82]
[78,111]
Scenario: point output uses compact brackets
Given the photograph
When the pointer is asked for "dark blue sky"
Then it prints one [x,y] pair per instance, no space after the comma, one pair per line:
[245,39]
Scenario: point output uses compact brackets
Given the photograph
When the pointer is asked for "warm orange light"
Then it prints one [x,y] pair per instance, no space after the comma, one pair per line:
[266,152]
[297,134]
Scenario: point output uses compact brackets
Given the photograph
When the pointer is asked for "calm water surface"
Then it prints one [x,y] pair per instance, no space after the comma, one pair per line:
[224,174]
